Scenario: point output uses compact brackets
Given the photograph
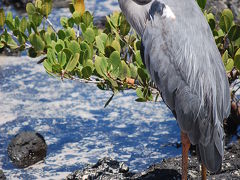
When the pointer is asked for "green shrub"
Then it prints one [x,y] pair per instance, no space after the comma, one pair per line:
[108,57]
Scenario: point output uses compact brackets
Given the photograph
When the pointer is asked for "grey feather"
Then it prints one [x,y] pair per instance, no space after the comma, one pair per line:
[182,58]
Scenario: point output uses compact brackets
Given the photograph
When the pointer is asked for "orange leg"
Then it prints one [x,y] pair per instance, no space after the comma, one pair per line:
[185,148]
[204,172]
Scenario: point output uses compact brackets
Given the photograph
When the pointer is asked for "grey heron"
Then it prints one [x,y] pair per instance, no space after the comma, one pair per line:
[182,58]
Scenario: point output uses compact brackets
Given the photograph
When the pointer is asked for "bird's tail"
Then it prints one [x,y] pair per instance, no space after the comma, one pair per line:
[210,156]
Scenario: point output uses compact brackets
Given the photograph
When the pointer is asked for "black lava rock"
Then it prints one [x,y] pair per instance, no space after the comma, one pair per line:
[168,169]
[104,169]
[2,176]
[27,148]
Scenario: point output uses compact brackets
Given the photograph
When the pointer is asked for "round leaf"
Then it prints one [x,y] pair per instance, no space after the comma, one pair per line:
[234,33]
[72,63]
[37,42]
[86,72]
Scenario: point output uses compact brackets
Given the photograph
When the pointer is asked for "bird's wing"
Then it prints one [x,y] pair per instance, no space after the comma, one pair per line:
[184,62]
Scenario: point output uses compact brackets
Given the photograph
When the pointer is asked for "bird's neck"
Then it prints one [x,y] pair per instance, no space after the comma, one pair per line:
[136,14]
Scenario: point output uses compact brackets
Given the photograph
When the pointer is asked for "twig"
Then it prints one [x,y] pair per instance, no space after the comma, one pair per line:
[50,23]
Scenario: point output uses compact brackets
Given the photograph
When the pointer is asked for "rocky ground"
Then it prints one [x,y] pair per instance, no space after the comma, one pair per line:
[108,169]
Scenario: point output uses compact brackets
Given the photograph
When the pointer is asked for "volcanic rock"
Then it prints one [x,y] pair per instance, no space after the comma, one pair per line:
[104,169]
[26,149]
[109,169]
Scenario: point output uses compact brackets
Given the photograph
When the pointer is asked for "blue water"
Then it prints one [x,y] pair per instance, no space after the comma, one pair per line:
[72,118]
[77,128]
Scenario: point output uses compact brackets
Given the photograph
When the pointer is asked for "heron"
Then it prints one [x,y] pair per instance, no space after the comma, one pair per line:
[180,54]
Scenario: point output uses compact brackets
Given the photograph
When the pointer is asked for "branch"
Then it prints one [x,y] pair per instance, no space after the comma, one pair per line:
[50,24]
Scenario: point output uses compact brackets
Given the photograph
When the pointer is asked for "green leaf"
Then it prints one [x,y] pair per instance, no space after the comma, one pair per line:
[138,59]
[37,42]
[114,19]
[36,19]
[38,4]
[133,70]
[58,47]
[16,22]
[70,33]
[64,22]
[109,40]
[124,71]
[226,20]
[72,63]
[48,66]
[61,34]
[51,56]
[228,13]
[139,93]
[62,58]
[101,66]
[70,22]
[100,44]
[86,72]
[30,9]
[68,53]
[1,45]
[9,17]
[74,47]
[88,51]
[7,38]
[87,19]
[9,21]
[143,76]
[89,35]
[230,65]
[237,59]
[225,57]
[116,45]
[77,17]
[109,50]
[23,25]
[234,33]
[56,68]
[115,62]
[83,27]
[115,59]
[141,100]
[211,21]
[202,3]
[124,26]
[46,7]
[89,63]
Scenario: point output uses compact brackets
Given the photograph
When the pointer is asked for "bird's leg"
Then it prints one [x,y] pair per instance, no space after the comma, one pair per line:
[185,147]
[204,172]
